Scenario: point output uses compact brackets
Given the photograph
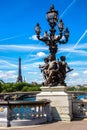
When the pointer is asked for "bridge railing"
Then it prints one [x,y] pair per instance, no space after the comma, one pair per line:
[79,104]
[79,108]
[14,113]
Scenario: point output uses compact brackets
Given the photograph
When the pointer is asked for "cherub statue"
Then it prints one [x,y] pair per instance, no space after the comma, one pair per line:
[63,68]
[52,70]
[44,68]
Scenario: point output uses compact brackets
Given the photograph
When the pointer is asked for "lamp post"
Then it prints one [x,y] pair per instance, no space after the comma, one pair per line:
[52,38]
[54,72]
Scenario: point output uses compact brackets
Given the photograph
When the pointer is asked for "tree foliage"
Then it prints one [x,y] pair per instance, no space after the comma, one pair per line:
[71,89]
[20,86]
[81,88]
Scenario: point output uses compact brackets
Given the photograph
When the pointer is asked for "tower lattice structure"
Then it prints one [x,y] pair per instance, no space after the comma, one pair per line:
[19,78]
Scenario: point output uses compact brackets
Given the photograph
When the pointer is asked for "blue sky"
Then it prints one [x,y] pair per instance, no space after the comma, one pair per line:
[17,38]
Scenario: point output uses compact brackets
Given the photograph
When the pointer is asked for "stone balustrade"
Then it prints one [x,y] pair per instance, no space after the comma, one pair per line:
[18,113]
[63,106]
[79,108]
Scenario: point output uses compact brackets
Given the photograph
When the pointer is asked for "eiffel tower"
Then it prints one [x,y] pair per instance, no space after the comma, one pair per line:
[19,78]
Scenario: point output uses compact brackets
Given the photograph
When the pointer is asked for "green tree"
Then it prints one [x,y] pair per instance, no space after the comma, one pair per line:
[20,86]
[0,87]
[71,89]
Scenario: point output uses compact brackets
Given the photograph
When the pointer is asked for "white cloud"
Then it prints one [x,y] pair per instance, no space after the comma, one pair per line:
[8,75]
[81,37]
[85,72]
[74,74]
[77,81]
[70,50]
[78,63]
[32,66]
[22,47]
[31,48]
[82,46]
[8,38]
[32,73]
[41,54]
[6,64]
[33,37]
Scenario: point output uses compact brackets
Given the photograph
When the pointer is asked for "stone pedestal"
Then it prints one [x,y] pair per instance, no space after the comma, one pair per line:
[4,116]
[61,102]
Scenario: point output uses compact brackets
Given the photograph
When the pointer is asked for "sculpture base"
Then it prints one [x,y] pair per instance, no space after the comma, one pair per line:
[61,102]
[54,88]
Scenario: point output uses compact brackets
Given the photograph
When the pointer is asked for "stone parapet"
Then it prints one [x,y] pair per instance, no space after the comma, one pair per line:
[22,113]
[61,102]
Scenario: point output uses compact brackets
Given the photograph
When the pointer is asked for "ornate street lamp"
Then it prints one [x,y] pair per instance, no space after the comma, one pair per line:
[61,25]
[51,39]
[52,16]
[66,34]
[37,29]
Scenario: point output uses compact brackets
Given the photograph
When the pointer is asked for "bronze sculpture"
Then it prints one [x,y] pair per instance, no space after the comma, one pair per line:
[54,72]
